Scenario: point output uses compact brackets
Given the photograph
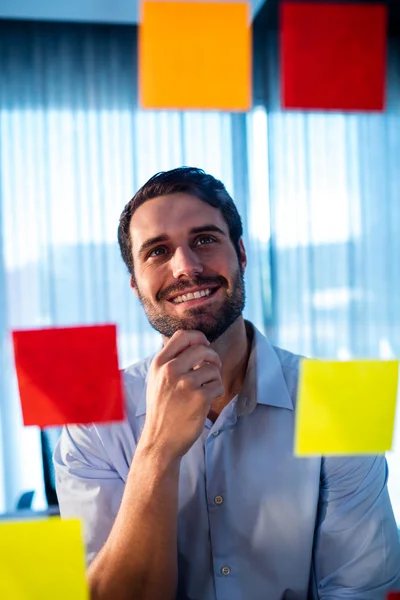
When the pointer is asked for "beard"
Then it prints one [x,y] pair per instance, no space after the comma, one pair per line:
[212,323]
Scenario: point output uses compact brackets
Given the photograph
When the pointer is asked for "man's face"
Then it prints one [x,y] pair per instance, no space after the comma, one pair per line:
[187,273]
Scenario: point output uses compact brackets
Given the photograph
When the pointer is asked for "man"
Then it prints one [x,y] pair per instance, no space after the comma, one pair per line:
[197,495]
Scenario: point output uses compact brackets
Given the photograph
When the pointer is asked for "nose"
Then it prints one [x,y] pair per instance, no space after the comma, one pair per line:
[185,263]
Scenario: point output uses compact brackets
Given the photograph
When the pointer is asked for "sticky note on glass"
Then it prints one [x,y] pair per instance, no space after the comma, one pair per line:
[42,559]
[195,55]
[68,375]
[333,56]
[346,407]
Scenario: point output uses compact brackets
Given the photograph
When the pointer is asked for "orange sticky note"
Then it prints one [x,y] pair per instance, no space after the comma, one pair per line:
[68,375]
[195,55]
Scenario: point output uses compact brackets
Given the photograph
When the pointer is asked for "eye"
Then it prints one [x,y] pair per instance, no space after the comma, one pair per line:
[205,239]
[157,252]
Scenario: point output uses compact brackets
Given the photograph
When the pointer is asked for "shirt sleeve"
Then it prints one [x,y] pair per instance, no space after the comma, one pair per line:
[356,546]
[88,487]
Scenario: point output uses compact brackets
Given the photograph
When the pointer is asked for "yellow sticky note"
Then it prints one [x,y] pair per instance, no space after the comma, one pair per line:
[346,407]
[42,560]
[195,55]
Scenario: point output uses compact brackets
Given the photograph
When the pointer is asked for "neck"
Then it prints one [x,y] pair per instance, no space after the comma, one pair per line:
[234,364]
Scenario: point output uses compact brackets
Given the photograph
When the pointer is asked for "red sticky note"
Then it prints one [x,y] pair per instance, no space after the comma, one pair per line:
[68,375]
[333,56]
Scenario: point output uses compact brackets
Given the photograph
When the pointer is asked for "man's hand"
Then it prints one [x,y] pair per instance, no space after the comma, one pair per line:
[184,379]
[139,558]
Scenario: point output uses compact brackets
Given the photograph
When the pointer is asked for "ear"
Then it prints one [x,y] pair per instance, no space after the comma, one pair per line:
[133,286]
[243,257]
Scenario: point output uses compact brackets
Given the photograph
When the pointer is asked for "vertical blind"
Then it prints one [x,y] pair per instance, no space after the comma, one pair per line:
[74,147]
[334,192]
[321,188]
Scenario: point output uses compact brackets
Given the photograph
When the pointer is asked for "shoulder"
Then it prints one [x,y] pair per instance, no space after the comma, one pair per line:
[359,472]
[290,365]
[135,382]
[137,371]
[108,445]
[290,362]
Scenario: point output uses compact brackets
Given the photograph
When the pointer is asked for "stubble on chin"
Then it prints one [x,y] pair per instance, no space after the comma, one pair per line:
[212,322]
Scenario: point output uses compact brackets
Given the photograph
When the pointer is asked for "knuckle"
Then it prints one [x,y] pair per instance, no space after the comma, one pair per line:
[182,385]
[212,354]
[195,335]
[178,336]
[156,363]
[168,371]
[214,370]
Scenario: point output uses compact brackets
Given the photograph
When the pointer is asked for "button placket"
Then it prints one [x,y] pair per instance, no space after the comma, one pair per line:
[216,490]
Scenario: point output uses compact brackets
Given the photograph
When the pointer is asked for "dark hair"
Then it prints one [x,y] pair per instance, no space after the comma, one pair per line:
[188,180]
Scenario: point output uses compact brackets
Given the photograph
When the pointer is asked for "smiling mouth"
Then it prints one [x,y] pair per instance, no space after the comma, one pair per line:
[194,296]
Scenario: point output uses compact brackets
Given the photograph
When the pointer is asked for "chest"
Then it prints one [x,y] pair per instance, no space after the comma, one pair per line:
[246,477]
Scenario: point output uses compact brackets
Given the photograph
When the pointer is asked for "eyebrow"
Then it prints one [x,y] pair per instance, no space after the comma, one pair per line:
[164,238]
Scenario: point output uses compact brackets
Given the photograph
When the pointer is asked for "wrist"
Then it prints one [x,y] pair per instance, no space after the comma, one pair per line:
[156,454]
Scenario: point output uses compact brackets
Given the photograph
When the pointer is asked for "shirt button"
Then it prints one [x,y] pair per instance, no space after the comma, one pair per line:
[225,570]
[218,499]
[215,433]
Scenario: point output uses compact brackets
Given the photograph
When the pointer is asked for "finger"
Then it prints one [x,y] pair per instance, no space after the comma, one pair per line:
[179,342]
[206,374]
[194,357]
[214,389]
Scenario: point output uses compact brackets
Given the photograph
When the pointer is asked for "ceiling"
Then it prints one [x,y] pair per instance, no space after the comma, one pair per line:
[82,11]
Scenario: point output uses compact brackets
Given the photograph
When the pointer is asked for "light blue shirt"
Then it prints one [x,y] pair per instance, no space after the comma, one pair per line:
[254,522]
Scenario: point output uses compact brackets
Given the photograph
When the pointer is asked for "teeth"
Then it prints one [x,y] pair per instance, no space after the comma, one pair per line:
[190,296]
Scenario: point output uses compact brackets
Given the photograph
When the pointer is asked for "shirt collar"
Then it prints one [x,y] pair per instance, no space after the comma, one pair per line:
[264,382]
[141,407]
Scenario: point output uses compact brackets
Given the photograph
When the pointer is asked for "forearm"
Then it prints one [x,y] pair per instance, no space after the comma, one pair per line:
[139,559]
